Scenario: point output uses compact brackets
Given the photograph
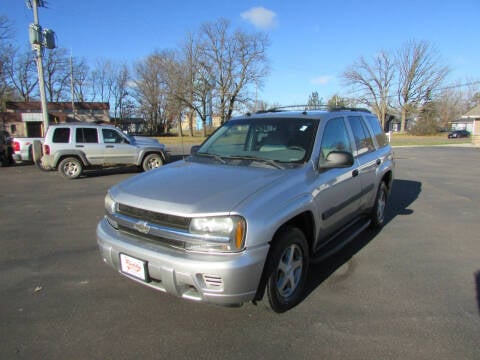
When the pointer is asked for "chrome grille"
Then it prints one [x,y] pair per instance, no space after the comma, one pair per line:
[172,221]
[154,239]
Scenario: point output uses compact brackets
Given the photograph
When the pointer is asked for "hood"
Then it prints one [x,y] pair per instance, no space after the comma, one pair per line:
[142,140]
[186,188]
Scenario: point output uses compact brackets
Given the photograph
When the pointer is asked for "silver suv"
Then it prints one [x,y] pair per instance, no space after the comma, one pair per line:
[248,211]
[72,147]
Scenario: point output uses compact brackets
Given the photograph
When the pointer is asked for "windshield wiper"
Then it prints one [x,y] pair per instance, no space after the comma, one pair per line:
[254,158]
[215,156]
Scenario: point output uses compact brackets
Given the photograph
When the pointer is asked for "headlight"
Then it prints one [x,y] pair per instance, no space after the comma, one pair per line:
[219,233]
[110,204]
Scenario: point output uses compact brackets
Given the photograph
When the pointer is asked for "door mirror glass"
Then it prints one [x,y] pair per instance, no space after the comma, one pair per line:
[337,159]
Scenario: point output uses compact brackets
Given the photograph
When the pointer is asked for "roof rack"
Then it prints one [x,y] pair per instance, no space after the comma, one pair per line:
[306,108]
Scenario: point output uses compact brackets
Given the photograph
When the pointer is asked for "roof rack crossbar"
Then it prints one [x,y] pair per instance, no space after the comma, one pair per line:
[306,108]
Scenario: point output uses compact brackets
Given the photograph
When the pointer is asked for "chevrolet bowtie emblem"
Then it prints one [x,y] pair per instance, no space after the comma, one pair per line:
[142,226]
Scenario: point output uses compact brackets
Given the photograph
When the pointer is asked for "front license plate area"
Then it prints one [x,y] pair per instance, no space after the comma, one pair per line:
[133,267]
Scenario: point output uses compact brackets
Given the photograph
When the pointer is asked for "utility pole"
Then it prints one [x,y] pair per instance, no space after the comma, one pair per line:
[40,39]
[71,86]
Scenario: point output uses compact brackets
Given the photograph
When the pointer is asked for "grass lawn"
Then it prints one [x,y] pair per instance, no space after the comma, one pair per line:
[396,140]
[440,139]
[173,140]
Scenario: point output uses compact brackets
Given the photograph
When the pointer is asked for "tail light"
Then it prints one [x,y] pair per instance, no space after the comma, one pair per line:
[16,146]
[46,150]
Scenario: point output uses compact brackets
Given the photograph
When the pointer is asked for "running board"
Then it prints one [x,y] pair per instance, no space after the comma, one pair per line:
[333,246]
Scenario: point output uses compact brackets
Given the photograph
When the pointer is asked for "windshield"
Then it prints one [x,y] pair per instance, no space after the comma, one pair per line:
[279,140]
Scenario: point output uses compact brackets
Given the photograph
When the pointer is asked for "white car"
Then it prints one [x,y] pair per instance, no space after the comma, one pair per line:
[69,148]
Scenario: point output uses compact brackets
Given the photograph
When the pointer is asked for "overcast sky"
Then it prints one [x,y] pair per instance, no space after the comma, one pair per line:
[312,41]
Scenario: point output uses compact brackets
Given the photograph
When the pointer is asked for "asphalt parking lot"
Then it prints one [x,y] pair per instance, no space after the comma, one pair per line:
[411,291]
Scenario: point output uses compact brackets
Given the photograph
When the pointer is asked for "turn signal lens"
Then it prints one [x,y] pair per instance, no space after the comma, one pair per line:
[240,234]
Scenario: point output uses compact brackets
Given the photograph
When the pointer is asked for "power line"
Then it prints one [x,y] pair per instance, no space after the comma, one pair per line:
[459,85]
[448,87]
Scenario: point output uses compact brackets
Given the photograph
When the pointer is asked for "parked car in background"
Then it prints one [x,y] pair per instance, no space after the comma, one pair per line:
[72,147]
[458,134]
[6,150]
[247,212]
[23,148]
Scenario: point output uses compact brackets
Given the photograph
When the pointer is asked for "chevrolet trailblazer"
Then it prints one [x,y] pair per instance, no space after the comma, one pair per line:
[248,211]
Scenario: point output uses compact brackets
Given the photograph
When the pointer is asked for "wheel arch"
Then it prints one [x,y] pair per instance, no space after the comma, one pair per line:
[387,178]
[304,222]
[78,155]
[144,153]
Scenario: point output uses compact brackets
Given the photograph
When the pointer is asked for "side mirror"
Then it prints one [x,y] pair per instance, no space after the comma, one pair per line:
[337,159]
[194,149]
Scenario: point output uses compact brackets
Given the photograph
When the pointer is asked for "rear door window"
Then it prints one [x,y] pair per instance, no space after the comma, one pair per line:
[86,135]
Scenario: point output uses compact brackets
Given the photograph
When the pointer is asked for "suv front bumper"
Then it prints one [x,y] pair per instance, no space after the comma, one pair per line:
[223,279]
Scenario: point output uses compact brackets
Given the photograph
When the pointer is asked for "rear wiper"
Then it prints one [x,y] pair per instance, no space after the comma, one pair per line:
[215,156]
[253,158]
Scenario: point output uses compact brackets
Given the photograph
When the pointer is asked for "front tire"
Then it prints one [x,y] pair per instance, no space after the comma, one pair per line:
[288,268]
[70,168]
[152,161]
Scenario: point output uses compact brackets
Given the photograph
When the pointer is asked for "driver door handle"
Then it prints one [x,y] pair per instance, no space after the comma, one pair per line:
[355,173]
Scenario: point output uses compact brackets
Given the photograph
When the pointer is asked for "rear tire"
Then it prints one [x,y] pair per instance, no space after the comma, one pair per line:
[288,268]
[378,212]
[70,168]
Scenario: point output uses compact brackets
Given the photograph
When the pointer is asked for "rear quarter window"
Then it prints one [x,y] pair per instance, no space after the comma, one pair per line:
[61,135]
[380,136]
[363,139]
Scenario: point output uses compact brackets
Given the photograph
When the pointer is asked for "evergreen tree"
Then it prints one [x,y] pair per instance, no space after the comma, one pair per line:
[314,102]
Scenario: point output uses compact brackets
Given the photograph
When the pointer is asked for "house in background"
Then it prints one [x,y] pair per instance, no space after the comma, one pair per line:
[25,118]
[470,122]
[131,125]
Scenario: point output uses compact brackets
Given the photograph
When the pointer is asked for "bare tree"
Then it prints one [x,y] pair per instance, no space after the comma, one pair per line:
[80,73]
[470,95]
[119,91]
[186,77]
[6,28]
[6,34]
[21,71]
[448,106]
[151,89]
[373,81]
[57,74]
[420,73]
[102,79]
[190,80]
[233,61]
